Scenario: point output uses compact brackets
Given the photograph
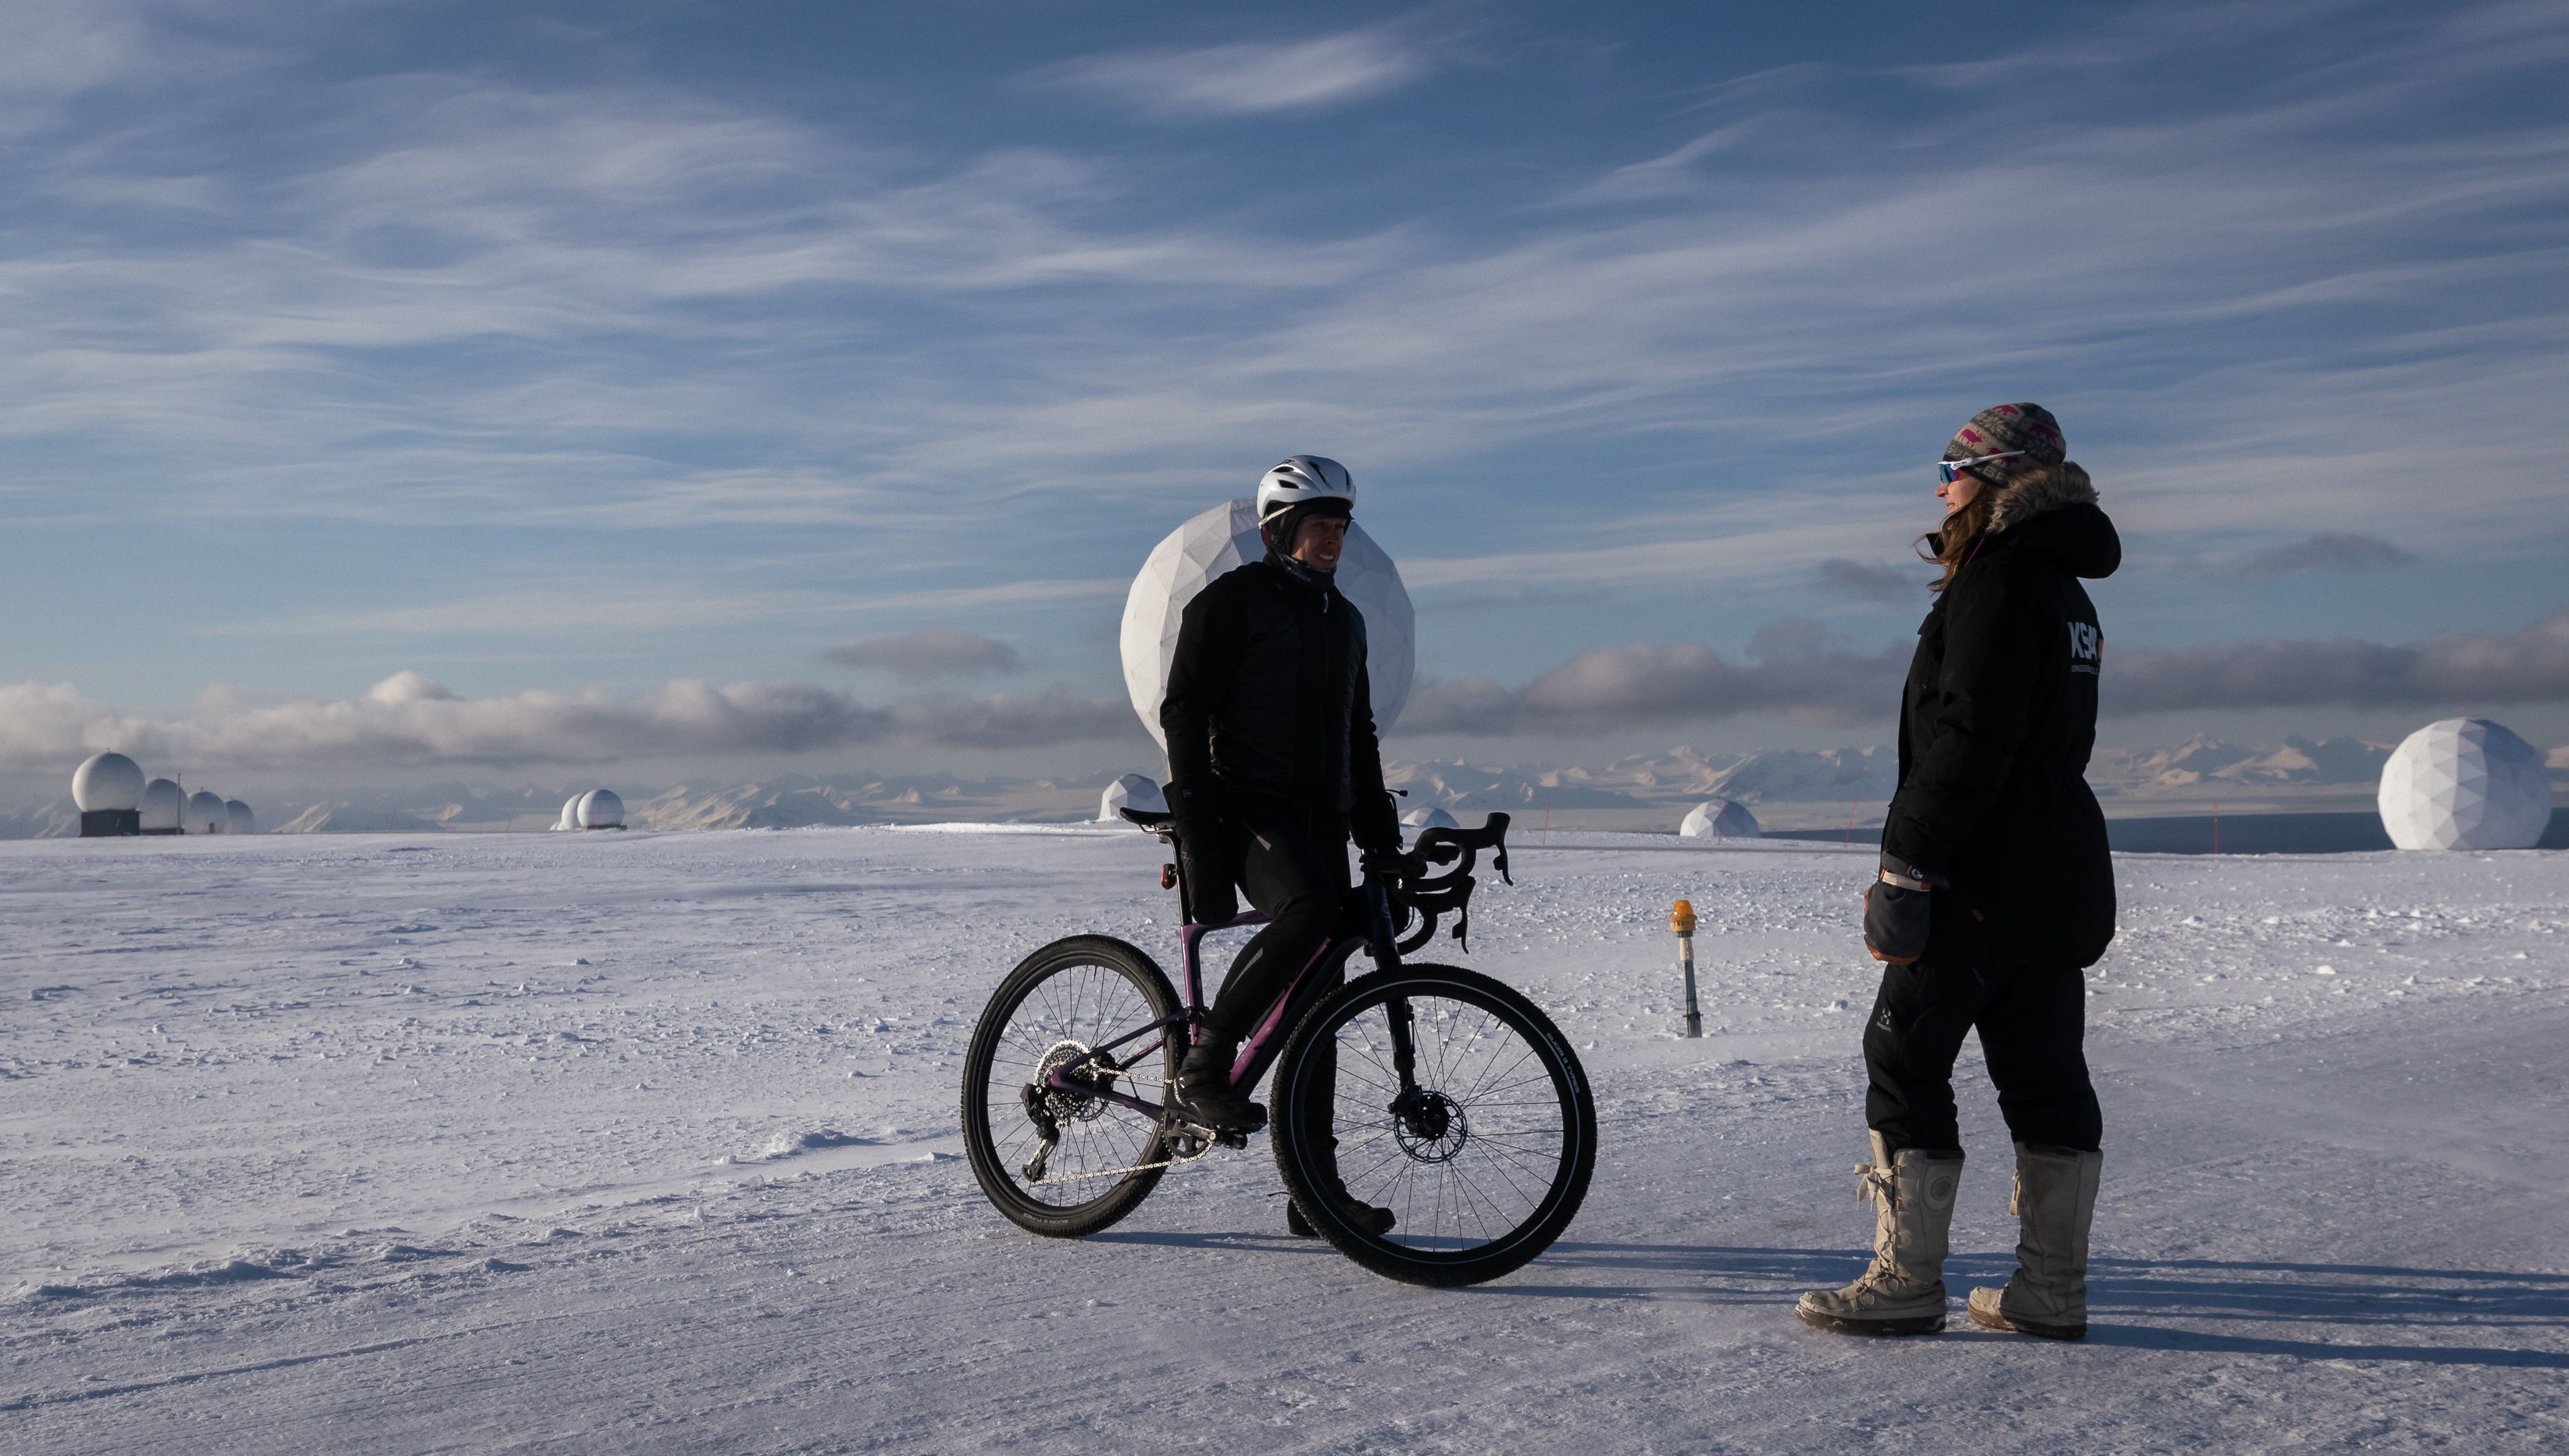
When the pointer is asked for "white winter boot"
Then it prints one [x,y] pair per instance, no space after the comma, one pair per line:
[2055,1201]
[1903,1292]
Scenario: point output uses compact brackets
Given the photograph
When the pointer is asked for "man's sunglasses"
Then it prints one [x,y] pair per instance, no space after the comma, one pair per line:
[1946,470]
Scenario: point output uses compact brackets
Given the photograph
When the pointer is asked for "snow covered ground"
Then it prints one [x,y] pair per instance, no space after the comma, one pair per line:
[646,1142]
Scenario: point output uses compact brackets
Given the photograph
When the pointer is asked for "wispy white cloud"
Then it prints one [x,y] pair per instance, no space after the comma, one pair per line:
[1247,79]
[2328,550]
[633,305]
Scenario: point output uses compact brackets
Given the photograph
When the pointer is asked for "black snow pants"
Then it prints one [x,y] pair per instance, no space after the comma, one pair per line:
[1293,868]
[2031,1019]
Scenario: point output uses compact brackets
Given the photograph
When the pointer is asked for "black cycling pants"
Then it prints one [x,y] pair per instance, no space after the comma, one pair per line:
[1294,869]
[2032,1020]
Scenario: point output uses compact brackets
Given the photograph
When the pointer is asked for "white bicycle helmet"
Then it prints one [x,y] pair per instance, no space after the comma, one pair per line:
[1300,479]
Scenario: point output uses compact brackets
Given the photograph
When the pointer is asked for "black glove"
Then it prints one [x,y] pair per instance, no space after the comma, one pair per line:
[1898,911]
[1381,863]
[1376,824]
[1204,855]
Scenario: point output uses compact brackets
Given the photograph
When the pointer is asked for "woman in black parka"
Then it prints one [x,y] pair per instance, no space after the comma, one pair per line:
[1994,892]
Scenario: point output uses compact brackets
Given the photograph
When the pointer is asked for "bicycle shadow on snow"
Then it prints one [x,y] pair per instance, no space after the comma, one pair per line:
[2135,1303]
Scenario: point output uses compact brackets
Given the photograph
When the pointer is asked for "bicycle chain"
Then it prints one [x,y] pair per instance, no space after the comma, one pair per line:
[1202,1146]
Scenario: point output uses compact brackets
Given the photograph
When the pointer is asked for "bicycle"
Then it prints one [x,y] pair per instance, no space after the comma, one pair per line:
[1433,1090]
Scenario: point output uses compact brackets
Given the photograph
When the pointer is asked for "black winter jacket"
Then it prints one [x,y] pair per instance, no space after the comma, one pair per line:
[1268,697]
[1996,725]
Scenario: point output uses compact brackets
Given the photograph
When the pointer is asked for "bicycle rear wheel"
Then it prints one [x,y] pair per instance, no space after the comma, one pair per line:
[1482,1152]
[1055,1161]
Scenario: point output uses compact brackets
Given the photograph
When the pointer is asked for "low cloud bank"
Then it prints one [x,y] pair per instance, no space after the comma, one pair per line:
[930,652]
[407,721]
[2452,670]
[1789,668]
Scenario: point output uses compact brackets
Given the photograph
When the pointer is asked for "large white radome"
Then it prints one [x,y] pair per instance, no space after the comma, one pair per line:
[2465,784]
[108,781]
[1720,819]
[237,818]
[206,814]
[602,809]
[1222,537]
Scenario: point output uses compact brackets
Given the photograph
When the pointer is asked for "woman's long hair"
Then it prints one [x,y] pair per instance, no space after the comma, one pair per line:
[1950,544]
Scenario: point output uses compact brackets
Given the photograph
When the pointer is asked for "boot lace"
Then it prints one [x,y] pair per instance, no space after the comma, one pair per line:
[1876,1185]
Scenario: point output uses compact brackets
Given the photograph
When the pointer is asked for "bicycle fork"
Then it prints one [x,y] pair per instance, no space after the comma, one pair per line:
[1422,1113]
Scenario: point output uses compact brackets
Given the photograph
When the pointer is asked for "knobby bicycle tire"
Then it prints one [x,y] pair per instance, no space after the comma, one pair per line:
[1492,1055]
[1082,991]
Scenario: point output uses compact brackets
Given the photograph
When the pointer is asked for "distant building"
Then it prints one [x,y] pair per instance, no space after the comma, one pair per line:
[2465,784]
[1430,818]
[1721,818]
[600,809]
[164,806]
[1132,791]
[108,787]
[237,818]
[205,813]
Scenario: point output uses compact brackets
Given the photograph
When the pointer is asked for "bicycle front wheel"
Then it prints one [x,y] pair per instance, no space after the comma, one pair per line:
[1067,1163]
[1448,1098]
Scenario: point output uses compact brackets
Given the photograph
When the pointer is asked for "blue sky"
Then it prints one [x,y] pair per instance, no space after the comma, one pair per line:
[620,372]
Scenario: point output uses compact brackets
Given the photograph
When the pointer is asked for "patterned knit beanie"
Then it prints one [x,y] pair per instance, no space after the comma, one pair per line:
[2001,427]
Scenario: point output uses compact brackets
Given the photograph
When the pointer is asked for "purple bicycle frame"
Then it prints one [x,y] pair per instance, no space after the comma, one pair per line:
[1254,1054]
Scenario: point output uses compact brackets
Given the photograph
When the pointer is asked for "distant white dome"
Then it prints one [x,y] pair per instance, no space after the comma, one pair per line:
[569,815]
[2465,784]
[206,812]
[600,809]
[237,818]
[1720,819]
[163,804]
[1213,542]
[1430,817]
[108,781]
[1133,790]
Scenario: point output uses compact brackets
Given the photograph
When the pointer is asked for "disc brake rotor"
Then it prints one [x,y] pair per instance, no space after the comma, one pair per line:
[1429,1126]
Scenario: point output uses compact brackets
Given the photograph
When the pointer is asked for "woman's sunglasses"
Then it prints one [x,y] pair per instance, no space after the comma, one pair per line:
[1946,470]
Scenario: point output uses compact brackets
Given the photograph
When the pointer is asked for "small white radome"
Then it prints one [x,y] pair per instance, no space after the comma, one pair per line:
[2465,784]
[1133,790]
[164,806]
[1720,819]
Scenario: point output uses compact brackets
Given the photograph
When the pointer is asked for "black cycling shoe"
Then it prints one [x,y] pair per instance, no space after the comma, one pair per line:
[1202,1093]
[1372,1220]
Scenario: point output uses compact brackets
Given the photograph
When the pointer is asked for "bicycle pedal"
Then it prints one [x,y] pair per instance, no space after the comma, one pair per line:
[1231,1139]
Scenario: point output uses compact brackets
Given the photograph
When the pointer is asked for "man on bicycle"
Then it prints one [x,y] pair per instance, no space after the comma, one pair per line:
[1272,764]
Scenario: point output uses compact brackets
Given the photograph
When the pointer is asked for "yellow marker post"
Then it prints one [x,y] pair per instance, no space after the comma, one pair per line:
[1681,921]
